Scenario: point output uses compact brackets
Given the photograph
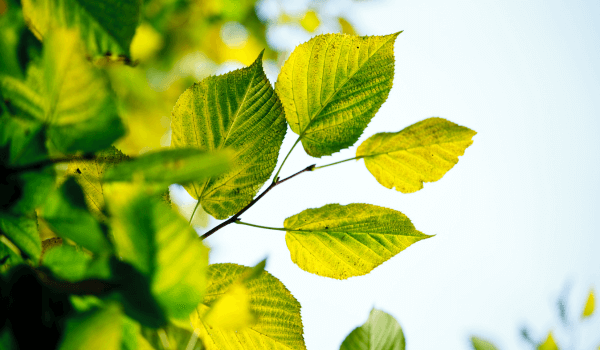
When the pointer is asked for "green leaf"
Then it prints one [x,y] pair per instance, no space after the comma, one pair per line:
[171,337]
[332,85]
[422,152]
[171,166]
[23,232]
[97,329]
[279,324]
[25,139]
[89,174]
[67,263]
[341,241]
[106,26]
[69,96]
[160,244]
[66,213]
[588,309]
[480,344]
[240,111]
[380,332]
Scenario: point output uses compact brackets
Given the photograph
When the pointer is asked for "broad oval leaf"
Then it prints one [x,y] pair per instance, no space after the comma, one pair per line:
[589,307]
[341,241]
[380,332]
[279,325]
[422,152]
[69,95]
[332,85]
[481,344]
[107,27]
[240,111]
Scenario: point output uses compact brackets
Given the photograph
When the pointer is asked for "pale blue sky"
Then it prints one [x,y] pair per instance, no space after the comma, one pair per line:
[515,220]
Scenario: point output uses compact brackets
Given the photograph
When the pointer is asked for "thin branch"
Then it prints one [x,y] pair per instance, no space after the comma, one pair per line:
[260,226]
[237,216]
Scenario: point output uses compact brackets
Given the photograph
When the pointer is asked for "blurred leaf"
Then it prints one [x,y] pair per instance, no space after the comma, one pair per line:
[175,338]
[588,309]
[310,21]
[160,244]
[98,329]
[89,173]
[239,111]
[66,213]
[11,27]
[232,310]
[480,344]
[106,26]
[347,28]
[549,344]
[171,166]
[422,152]
[23,232]
[279,324]
[25,139]
[380,332]
[341,241]
[70,96]
[331,87]
[146,42]
[66,262]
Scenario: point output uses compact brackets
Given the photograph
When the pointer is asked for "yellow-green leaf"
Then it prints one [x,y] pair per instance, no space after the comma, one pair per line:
[422,152]
[341,241]
[97,329]
[278,326]
[589,307]
[23,232]
[380,332]
[106,26]
[331,87]
[481,344]
[310,21]
[240,111]
[89,173]
[69,95]
[549,344]
[232,310]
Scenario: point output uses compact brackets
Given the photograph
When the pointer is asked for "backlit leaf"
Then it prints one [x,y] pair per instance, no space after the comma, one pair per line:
[589,307]
[549,344]
[341,241]
[422,152]
[23,232]
[66,262]
[380,332]
[97,329]
[331,87]
[310,21]
[232,310]
[240,111]
[278,326]
[169,337]
[69,95]
[106,26]
[481,344]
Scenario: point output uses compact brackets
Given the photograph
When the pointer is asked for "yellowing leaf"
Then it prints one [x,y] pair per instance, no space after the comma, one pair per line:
[480,344]
[331,87]
[341,241]
[279,325]
[589,307]
[106,26]
[549,344]
[310,21]
[380,332]
[146,42]
[232,310]
[238,111]
[347,28]
[422,152]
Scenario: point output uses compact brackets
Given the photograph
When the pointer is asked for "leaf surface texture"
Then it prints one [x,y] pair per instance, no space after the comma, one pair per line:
[380,332]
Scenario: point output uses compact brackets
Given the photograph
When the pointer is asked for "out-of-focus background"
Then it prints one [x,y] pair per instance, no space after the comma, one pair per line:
[516,220]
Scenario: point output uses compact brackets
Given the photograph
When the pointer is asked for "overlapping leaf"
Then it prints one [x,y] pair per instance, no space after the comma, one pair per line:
[97,329]
[331,87]
[23,232]
[380,332]
[69,96]
[279,325]
[422,152]
[240,111]
[341,241]
[481,344]
[107,27]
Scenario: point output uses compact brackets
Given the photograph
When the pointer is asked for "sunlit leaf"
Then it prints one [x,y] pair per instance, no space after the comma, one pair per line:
[589,307]
[160,244]
[69,95]
[232,310]
[169,337]
[347,28]
[481,344]
[97,329]
[310,21]
[23,232]
[422,152]
[341,241]
[380,332]
[331,87]
[66,262]
[549,344]
[279,325]
[106,26]
[239,111]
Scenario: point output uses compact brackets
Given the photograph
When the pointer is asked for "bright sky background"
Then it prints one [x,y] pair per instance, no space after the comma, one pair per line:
[516,220]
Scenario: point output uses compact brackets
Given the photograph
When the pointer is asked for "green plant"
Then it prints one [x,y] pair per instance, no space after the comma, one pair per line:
[128,272]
